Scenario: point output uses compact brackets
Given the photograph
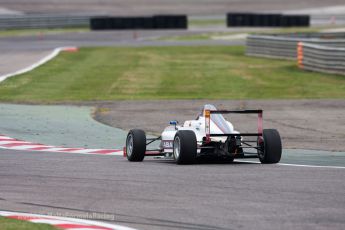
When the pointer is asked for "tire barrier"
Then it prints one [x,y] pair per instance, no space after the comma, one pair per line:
[285,46]
[154,22]
[321,58]
[170,22]
[267,20]
[42,21]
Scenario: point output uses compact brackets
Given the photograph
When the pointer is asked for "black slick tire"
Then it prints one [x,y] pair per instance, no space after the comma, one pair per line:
[271,147]
[185,147]
[136,145]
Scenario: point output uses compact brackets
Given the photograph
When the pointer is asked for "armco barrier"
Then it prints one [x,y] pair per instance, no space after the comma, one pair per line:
[43,21]
[266,20]
[284,46]
[321,58]
[154,22]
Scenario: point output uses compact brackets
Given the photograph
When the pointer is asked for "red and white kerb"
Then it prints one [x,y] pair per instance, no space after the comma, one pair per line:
[63,222]
[14,144]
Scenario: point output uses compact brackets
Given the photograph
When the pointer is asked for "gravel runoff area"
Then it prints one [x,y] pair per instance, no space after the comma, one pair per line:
[303,124]
[142,7]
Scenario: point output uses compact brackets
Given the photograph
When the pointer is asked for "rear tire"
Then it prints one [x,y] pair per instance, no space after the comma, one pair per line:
[185,147]
[136,145]
[271,147]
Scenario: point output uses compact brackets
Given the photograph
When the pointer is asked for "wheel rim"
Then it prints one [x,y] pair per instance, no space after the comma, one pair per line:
[177,147]
[129,145]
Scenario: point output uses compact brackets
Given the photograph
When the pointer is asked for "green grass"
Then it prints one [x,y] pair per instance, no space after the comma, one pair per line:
[215,72]
[40,32]
[195,37]
[11,224]
[206,22]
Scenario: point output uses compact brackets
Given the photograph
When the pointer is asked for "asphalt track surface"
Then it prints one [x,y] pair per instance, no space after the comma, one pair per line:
[108,38]
[157,194]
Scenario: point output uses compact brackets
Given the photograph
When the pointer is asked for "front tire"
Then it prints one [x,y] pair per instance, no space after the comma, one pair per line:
[270,147]
[185,147]
[136,145]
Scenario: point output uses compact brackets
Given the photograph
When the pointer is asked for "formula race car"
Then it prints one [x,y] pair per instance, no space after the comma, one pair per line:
[208,135]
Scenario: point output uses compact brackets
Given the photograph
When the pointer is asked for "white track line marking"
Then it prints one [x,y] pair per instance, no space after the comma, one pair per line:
[296,165]
[40,62]
[313,166]
[57,221]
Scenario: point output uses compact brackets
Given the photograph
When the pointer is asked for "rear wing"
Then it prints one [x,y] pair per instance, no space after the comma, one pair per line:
[208,123]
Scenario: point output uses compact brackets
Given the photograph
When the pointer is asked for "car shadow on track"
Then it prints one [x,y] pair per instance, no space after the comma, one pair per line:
[203,161]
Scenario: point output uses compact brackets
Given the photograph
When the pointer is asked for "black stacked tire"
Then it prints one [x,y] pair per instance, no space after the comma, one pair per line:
[262,19]
[185,147]
[271,148]
[136,145]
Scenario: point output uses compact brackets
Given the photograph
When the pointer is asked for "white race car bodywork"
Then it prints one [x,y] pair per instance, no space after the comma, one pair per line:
[218,125]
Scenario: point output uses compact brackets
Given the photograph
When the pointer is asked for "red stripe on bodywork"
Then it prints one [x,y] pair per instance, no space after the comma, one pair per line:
[148,153]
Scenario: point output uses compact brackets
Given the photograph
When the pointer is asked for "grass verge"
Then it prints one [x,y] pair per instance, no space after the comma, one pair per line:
[206,72]
[196,37]
[12,224]
[39,32]
[206,22]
